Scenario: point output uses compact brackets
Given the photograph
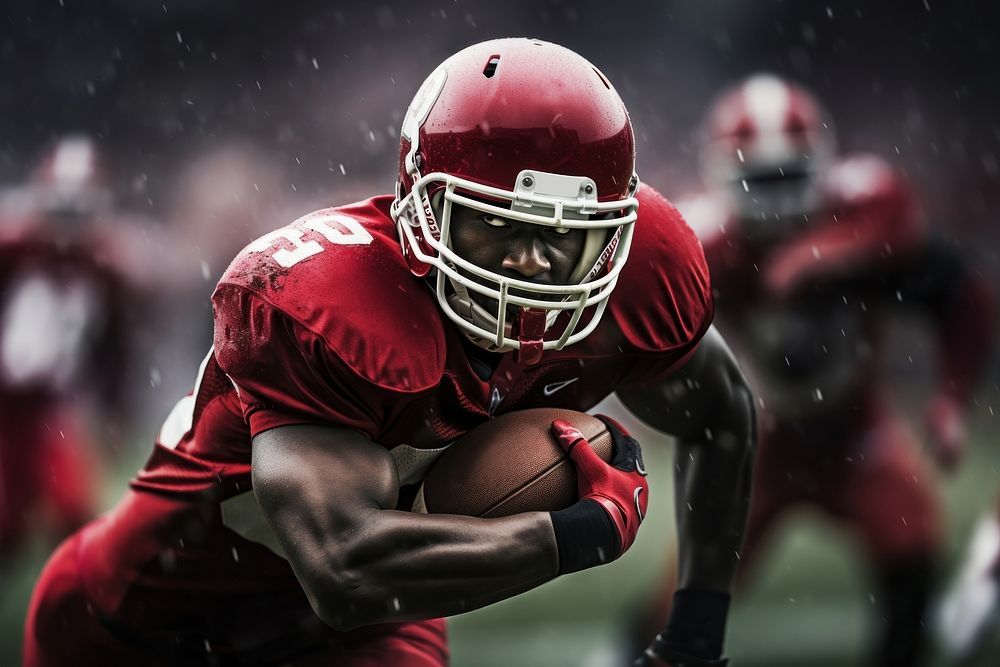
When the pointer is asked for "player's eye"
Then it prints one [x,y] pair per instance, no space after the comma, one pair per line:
[561,231]
[494,220]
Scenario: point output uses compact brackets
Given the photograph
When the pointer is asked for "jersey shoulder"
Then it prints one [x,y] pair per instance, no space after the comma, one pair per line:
[663,298]
[864,179]
[339,273]
[865,190]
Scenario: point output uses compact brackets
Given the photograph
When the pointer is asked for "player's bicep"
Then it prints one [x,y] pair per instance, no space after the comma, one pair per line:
[705,393]
[315,482]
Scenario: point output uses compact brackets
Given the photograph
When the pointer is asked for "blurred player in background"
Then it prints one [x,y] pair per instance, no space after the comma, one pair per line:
[808,253]
[62,304]
[354,344]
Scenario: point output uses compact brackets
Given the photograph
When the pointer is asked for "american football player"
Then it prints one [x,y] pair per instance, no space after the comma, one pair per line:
[519,264]
[809,253]
[62,309]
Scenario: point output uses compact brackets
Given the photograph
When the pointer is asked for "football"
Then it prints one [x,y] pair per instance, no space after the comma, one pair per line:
[508,465]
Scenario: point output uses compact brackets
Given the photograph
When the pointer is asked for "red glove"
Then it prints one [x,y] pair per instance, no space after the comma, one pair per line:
[620,487]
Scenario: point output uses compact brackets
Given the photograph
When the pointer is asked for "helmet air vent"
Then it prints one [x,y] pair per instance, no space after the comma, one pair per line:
[491,66]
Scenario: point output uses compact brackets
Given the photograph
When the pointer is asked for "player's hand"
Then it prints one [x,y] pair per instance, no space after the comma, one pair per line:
[619,487]
[660,655]
[946,429]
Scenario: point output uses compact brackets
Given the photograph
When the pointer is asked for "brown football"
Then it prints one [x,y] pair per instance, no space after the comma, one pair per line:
[508,465]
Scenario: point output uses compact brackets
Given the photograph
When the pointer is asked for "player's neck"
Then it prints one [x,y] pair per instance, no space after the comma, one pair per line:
[482,362]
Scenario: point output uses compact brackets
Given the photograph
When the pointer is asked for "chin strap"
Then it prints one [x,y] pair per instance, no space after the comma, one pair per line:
[528,326]
[529,329]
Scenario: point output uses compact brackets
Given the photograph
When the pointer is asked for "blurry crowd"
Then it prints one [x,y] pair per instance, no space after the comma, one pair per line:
[105,279]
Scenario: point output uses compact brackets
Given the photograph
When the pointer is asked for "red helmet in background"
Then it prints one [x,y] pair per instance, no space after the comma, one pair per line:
[533,132]
[71,180]
[766,145]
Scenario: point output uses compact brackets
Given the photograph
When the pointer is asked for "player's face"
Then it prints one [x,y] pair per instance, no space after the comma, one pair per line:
[519,250]
[774,202]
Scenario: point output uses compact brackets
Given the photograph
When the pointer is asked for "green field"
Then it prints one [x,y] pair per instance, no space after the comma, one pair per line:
[807,606]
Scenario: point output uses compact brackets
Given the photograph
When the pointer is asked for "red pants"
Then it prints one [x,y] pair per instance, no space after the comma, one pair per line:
[46,472]
[65,628]
[874,481]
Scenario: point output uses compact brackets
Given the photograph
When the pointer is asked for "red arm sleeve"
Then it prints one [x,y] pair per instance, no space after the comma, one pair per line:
[936,280]
[961,304]
[968,336]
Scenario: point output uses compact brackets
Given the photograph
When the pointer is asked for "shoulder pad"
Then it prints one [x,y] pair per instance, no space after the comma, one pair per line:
[663,298]
[857,179]
[339,273]
[866,190]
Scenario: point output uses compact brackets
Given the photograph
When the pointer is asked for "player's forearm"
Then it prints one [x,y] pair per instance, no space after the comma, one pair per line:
[940,283]
[712,498]
[709,407]
[966,332]
[326,492]
[402,566]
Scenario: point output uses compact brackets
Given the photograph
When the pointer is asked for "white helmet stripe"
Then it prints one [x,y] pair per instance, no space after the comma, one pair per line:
[768,102]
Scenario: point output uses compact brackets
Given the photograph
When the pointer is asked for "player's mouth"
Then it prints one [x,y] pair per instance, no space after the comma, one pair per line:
[491,304]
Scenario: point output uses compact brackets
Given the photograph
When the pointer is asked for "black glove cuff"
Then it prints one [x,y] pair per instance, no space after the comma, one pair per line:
[585,536]
[659,654]
[697,624]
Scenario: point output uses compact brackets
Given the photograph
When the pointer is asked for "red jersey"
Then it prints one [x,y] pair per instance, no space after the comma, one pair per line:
[321,322]
[61,317]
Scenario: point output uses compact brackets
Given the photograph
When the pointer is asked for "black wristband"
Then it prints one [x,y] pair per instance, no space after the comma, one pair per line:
[585,536]
[697,624]
[659,653]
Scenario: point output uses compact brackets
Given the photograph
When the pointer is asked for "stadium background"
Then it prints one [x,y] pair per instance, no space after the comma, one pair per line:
[222,122]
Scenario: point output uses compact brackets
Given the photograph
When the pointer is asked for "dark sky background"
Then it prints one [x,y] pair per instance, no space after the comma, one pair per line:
[316,86]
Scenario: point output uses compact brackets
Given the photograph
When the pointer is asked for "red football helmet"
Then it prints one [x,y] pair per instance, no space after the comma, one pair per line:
[766,144]
[529,131]
[70,180]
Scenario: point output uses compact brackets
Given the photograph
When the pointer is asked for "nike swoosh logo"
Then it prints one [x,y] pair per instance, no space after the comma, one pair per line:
[638,507]
[495,400]
[552,388]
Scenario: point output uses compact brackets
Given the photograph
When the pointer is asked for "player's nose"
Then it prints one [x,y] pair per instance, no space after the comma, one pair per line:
[527,259]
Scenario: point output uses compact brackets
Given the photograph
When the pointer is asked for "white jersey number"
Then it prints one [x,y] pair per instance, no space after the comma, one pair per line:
[337,229]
